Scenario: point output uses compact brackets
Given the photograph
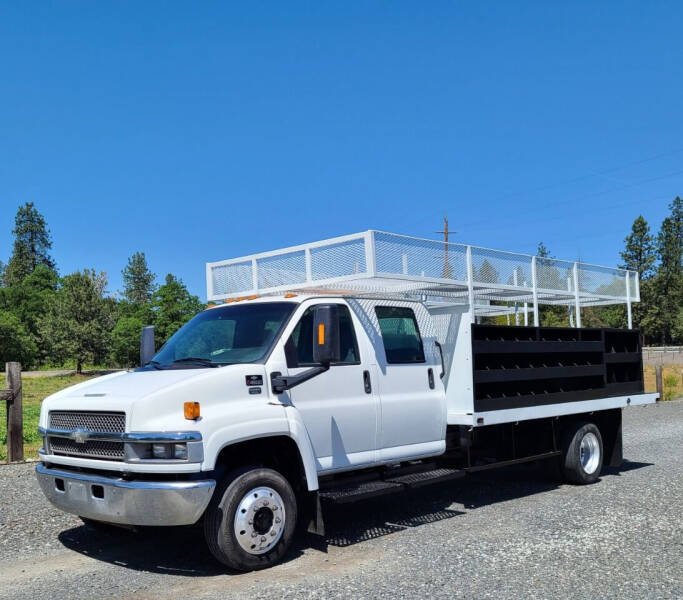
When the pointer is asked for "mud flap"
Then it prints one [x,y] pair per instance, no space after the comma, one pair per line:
[316,524]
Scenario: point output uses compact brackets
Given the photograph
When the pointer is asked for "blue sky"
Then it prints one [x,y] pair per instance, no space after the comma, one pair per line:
[204,131]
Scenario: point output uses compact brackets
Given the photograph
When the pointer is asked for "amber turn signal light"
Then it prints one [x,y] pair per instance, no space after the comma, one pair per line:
[192,410]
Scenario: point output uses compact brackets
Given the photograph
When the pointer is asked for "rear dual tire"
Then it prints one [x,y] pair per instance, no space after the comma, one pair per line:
[251,520]
[582,453]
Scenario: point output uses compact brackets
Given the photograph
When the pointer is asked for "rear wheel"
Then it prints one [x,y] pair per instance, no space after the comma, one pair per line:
[251,519]
[583,455]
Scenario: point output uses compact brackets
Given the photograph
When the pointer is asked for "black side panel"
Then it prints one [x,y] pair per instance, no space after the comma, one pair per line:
[517,367]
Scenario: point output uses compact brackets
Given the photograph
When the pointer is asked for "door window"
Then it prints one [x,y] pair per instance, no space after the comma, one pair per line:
[299,346]
[400,334]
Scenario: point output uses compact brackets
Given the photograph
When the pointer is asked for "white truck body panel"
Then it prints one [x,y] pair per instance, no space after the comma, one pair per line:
[495,417]
[452,323]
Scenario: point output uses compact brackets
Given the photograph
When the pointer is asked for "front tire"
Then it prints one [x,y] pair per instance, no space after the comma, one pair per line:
[251,519]
[583,454]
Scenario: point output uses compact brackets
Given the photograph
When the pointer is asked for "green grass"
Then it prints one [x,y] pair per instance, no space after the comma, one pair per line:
[68,365]
[671,378]
[35,390]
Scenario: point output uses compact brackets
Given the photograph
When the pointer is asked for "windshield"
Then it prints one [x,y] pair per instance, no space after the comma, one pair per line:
[242,333]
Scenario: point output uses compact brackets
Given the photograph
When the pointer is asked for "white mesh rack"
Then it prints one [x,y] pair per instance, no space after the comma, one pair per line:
[376,263]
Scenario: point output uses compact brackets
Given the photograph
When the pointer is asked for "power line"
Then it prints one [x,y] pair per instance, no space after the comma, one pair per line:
[589,176]
[586,197]
[595,174]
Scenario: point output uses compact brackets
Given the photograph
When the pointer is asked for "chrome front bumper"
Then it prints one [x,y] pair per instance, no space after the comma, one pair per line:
[116,500]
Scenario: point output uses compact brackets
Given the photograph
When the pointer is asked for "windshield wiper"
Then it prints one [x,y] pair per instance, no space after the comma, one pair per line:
[195,359]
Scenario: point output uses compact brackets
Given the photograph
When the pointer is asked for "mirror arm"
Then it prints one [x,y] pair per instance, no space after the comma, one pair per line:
[281,383]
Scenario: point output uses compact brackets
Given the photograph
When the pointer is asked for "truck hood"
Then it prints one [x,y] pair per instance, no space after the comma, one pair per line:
[153,397]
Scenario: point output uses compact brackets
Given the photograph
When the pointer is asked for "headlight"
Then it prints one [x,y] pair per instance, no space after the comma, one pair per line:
[180,451]
[177,451]
[161,450]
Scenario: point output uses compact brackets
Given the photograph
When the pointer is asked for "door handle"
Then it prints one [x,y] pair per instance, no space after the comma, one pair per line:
[443,366]
[430,378]
[366,382]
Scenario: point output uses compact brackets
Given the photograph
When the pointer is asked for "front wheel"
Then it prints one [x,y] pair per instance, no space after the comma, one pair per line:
[582,459]
[251,519]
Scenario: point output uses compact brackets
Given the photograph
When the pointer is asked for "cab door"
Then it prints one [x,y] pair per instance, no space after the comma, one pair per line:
[411,393]
[339,407]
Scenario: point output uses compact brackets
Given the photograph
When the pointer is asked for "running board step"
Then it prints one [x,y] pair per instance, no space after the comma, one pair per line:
[351,492]
[359,491]
[413,480]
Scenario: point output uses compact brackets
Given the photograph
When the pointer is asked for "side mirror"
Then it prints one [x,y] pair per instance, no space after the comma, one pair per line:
[326,348]
[146,344]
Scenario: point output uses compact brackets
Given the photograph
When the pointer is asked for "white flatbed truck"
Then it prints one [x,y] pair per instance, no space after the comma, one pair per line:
[339,370]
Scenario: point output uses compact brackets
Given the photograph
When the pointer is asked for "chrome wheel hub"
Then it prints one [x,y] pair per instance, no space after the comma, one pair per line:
[259,520]
[589,453]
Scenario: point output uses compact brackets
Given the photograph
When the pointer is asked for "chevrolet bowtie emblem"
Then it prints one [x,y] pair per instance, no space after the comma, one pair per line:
[80,435]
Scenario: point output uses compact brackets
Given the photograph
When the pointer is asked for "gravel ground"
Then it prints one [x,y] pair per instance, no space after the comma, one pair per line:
[504,534]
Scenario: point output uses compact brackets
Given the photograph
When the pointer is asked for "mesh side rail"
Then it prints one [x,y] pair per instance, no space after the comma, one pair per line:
[376,262]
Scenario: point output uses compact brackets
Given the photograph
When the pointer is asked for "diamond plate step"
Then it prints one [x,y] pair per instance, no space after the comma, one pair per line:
[421,478]
[357,491]
[350,492]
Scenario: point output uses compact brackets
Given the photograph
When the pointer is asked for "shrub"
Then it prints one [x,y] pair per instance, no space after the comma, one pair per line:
[670,385]
[15,342]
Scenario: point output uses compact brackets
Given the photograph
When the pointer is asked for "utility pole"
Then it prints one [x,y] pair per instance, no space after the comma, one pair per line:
[446,265]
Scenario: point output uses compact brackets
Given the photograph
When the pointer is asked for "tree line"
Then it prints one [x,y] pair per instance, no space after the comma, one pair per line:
[48,319]
[52,320]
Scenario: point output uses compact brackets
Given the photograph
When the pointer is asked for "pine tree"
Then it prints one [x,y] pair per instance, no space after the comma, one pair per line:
[486,273]
[125,341]
[138,280]
[549,276]
[669,279]
[78,324]
[32,244]
[542,251]
[30,299]
[174,306]
[640,253]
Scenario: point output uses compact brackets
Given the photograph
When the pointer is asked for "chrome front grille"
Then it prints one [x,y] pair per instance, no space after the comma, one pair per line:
[113,422]
[102,422]
[90,449]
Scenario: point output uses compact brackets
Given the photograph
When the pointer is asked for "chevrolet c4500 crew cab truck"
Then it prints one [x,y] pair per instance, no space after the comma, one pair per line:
[339,370]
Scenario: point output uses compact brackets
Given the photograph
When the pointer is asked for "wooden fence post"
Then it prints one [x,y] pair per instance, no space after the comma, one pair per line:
[658,380]
[15,418]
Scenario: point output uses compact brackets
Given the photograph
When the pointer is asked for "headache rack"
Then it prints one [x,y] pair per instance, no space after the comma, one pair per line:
[376,263]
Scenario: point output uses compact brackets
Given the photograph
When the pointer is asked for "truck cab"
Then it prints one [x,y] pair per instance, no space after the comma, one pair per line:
[243,386]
